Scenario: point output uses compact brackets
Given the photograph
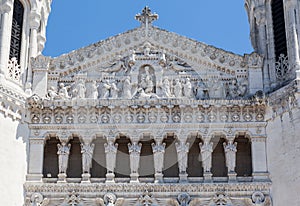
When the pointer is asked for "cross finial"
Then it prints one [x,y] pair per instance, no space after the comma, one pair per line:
[147,17]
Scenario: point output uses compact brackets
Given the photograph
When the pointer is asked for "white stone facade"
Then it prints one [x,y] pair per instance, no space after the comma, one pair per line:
[149,117]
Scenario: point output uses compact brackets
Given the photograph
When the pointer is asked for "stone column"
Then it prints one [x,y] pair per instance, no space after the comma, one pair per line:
[230,150]
[158,155]
[87,150]
[111,154]
[33,49]
[206,150]
[182,149]
[259,158]
[5,36]
[36,158]
[134,152]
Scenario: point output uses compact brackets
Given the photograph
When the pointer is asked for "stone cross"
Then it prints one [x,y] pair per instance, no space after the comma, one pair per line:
[147,17]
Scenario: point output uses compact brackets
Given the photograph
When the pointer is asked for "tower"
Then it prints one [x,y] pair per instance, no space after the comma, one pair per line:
[22,36]
[274,26]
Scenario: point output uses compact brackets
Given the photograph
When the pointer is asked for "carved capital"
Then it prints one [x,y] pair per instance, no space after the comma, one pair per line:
[6,6]
[35,18]
[40,63]
[64,136]
[260,15]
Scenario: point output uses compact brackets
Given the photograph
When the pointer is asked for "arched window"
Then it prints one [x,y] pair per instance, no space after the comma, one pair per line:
[75,160]
[194,160]
[170,160]
[279,28]
[50,168]
[146,160]
[98,169]
[16,31]
[219,168]
[123,159]
[243,157]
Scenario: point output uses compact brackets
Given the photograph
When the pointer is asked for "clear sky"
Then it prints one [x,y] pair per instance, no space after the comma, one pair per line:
[74,24]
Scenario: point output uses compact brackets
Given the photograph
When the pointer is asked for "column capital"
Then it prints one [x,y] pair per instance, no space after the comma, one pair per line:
[35,18]
[6,6]
[64,136]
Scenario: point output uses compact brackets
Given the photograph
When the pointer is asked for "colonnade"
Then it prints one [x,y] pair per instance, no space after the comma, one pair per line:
[161,155]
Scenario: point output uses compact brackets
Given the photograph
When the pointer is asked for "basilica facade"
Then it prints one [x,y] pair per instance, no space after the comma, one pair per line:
[149,117]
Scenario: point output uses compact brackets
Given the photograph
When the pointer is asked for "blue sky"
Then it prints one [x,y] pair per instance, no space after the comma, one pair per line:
[73,24]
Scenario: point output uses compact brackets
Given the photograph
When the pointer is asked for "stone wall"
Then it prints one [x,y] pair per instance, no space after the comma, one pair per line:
[13,161]
[283,149]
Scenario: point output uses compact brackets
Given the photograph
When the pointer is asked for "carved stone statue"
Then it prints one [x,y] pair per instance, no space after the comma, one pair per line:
[109,199]
[178,89]
[182,156]
[63,91]
[134,151]
[105,89]
[217,90]
[166,88]
[114,91]
[201,90]
[127,86]
[187,88]
[206,150]
[230,150]
[158,153]
[51,94]
[80,89]
[147,81]
[93,91]
[87,156]
[63,156]
[111,154]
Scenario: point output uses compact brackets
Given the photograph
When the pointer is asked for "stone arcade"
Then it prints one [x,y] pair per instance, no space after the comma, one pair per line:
[150,118]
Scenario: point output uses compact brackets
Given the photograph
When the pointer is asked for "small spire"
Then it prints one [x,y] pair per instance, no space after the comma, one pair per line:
[147,17]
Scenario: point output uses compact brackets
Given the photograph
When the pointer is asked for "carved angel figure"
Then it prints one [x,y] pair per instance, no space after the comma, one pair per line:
[110,152]
[63,91]
[206,155]
[93,91]
[79,90]
[63,156]
[187,88]
[87,156]
[158,153]
[230,154]
[134,151]
[114,90]
[182,151]
[105,89]
[51,94]
[166,88]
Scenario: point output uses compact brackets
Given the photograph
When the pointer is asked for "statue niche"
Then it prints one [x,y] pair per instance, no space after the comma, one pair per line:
[147,80]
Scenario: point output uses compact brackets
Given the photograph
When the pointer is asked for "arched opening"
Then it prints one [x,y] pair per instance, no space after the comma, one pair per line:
[279,28]
[16,31]
[50,164]
[98,169]
[75,160]
[123,159]
[194,160]
[243,157]
[219,168]
[170,160]
[146,159]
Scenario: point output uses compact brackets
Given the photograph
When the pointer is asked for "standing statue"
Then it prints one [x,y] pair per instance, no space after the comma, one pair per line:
[134,151]
[87,156]
[80,89]
[63,91]
[201,90]
[158,153]
[230,153]
[182,156]
[105,89]
[206,150]
[187,88]
[114,91]
[178,88]
[127,86]
[166,88]
[93,93]
[217,90]
[51,94]
[63,157]
[111,154]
